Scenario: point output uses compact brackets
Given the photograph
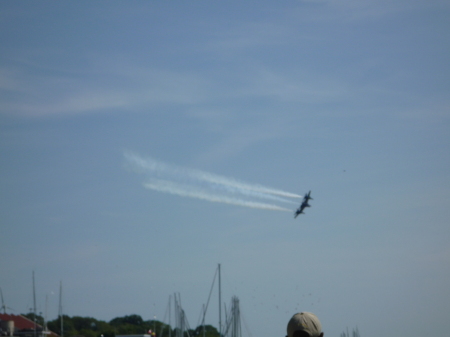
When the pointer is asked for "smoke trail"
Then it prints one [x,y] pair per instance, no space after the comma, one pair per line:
[203,185]
[193,192]
[150,165]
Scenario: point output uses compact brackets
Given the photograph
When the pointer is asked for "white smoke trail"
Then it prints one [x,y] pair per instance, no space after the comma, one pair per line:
[203,185]
[193,192]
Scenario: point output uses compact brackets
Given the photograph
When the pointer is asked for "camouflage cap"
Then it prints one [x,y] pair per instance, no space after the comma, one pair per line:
[304,321]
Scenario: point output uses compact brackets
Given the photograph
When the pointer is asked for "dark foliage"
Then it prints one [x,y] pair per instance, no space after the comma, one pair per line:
[127,325]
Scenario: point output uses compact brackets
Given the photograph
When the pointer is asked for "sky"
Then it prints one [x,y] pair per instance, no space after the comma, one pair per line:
[144,143]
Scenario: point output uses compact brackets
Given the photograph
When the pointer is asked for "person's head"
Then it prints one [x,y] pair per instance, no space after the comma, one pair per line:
[304,324]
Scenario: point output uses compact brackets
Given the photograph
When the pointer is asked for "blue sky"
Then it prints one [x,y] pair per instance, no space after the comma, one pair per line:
[349,99]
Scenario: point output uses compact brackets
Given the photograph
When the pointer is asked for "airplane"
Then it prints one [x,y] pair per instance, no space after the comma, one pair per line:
[298,212]
[303,205]
[307,196]
[301,208]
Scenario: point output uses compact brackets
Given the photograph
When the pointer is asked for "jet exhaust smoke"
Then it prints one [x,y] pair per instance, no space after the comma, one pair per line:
[191,191]
[193,183]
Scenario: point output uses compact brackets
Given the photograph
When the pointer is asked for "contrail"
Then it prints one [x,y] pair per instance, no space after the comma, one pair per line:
[193,192]
[203,185]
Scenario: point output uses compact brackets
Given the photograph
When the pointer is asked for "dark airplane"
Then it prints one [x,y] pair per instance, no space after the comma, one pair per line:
[303,205]
[307,196]
[301,208]
[297,213]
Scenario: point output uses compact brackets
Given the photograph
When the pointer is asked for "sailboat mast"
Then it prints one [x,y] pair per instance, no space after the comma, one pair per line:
[61,309]
[170,329]
[3,302]
[34,306]
[220,305]
[46,310]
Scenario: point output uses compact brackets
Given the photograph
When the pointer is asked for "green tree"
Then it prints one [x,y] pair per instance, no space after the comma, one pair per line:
[68,326]
[81,326]
[206,330]
[131,319]
[31,317]
[161,329]
[126,325]
[87,333]
[84,323]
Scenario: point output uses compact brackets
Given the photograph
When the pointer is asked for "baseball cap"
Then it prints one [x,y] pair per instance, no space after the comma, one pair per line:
[304,321]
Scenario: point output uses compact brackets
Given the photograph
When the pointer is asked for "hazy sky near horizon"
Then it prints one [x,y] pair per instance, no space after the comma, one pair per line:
[138,141]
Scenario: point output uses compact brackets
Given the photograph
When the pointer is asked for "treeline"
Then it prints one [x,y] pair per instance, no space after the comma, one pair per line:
[127,325]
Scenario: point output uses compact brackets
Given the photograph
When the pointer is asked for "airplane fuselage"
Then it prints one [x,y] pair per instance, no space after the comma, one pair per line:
[303,205]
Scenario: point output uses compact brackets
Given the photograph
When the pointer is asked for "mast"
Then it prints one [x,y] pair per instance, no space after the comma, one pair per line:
[34,306]
[236,318]
[220,305]
[61,309]
[45,317]
[170,327]
[3,302]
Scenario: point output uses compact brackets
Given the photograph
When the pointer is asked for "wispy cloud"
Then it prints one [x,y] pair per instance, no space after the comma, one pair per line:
[33,86]
[356,10]
[28,92]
